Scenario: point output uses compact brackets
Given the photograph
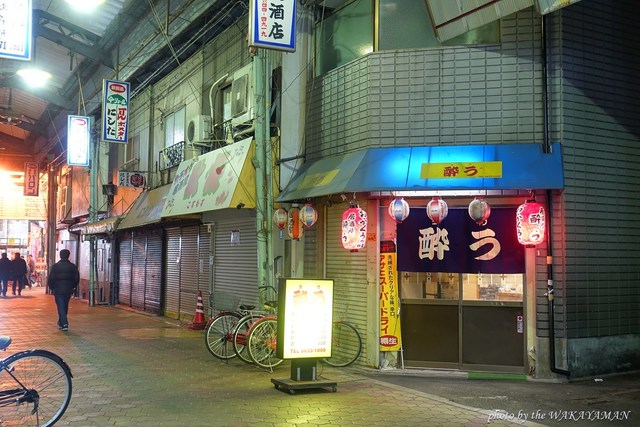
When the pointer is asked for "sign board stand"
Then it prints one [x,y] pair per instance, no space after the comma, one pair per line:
[303,376]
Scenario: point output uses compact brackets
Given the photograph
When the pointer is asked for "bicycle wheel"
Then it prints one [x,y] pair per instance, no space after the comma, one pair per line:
[346,345]
[35,389]
[240,336]
[219,333]
[262,341]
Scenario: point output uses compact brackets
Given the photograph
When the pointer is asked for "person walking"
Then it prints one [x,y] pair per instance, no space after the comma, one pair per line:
[31,271]
[18,273]
[63,280]
[5,274]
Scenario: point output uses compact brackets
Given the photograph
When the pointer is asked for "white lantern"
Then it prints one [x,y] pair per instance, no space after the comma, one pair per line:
[308,215]
[479,210]
[399,210]
[437,210]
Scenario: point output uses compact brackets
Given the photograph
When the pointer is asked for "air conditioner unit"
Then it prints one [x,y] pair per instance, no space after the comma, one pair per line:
[242,97]
[198,129]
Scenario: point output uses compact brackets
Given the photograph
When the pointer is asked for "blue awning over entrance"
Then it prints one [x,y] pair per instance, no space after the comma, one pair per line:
[461,167]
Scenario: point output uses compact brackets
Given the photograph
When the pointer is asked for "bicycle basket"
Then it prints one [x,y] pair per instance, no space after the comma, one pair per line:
[224,301]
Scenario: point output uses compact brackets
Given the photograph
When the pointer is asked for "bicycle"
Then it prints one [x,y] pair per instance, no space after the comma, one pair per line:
[35,387]
[219,329]
[346,345]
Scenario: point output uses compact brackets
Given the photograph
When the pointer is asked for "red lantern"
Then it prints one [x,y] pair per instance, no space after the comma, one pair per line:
[479,210]
[354,228]
[294,225]
[437,210]
[399,210]
[280,218]
[308,215]
[530,223]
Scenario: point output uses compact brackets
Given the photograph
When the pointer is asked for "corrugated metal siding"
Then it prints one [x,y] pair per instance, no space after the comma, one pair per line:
[189,269]
[349,272]
[172,273]
[204,268]
[124,276]
[596,99]
[138,270]
[236,266]
[311,261]
[153,292]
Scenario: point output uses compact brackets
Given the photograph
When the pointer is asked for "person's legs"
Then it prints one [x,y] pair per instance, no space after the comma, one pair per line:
[62,304]
[4,283]
[13,286]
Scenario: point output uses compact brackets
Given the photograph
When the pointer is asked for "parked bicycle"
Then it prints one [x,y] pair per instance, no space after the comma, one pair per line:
[35,387]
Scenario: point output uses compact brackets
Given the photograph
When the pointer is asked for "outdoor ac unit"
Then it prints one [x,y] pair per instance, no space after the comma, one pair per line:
[242,109]
[198,129]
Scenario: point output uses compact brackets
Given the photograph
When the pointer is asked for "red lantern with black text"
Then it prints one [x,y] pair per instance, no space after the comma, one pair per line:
[399,210]
[294,225]
[308,215]
[437,210]
[530,223]
[479,211]
[354,228]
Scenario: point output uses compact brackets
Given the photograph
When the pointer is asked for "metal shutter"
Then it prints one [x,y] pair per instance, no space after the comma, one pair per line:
[236,266]
[189,269]
[204,268]
[349,272]
[124,275]
[153,291]
[138,270]
[172,273]
[311,268]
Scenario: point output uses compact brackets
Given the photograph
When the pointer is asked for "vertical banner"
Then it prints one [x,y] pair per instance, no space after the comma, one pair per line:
[390,337]
[31,179]
[15,29]
[115,111]
[78,139]
[272,24]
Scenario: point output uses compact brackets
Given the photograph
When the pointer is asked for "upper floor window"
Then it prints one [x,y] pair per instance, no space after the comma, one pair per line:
[174,126]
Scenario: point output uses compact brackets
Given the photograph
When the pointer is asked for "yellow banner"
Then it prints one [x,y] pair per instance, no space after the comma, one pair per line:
[390,338]
[461,170]
[319,179]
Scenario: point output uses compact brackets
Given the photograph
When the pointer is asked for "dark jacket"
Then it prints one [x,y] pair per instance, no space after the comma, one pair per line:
[5,268]
[63,277]
[18,268]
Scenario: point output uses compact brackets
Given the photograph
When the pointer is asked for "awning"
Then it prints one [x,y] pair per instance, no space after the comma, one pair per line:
[104,226]
[461,167]
[223,178]
[146,209]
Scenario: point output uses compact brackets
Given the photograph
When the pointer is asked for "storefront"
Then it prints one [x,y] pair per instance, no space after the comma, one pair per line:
[466,288]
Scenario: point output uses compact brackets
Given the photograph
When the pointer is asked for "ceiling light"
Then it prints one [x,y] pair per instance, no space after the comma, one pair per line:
[85,5]
[34,77]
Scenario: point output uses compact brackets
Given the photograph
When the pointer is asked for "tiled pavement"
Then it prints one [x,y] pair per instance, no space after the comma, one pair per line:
[132,369]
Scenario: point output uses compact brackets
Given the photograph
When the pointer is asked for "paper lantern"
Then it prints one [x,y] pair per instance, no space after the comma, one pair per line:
[437,210]
[530,223]
[308,215]
[294,225]
[354,228]
[399,210]
[280,218]
[479,210]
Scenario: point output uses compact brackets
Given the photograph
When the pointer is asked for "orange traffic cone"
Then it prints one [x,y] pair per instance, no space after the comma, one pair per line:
[198,320]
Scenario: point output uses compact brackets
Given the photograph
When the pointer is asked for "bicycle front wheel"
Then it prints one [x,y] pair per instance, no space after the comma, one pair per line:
[240,334]
[219,333]
[346,345]
[261,343]
[35,389]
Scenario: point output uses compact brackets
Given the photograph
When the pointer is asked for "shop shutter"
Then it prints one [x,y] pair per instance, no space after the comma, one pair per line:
[153,292]
[189,269]
[349,272]
[235,267]
[138,270]
[204,268]
[172,273]
[124,275]
[311,267]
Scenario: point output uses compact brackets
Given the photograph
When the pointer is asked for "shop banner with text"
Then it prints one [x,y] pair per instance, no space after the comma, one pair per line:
[459,245]
[115,111]
[390,338]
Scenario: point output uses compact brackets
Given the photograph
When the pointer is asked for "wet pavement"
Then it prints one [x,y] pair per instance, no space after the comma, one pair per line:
[132,369]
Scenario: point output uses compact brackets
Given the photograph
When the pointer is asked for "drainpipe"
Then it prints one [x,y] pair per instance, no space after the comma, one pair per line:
[547,149]
[259,163]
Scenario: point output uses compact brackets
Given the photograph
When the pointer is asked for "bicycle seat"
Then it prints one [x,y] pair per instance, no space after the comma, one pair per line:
[247,307]
[271,304]
[4,342]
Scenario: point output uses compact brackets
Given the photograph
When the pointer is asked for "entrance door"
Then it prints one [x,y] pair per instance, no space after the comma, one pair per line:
[463,321]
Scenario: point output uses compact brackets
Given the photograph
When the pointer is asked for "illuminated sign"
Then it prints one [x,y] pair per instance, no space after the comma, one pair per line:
[305,310]
[272,25]
[115,111]
[15,29]
[132,179]
[461,170]
[78,138]
[31,179]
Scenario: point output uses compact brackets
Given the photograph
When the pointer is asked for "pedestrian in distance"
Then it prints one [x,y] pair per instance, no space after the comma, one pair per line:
[5,274]
[31,271]
[18,273]
[63,280]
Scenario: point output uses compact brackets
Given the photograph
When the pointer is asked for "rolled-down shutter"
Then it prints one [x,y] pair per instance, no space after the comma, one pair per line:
[124,275]
[153,291]
[172,273]
[188,269]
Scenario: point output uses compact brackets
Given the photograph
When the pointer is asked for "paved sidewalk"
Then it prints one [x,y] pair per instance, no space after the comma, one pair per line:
[132,369]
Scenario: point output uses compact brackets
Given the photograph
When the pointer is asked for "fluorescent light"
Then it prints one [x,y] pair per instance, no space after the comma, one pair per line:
[85,5]
[34,77]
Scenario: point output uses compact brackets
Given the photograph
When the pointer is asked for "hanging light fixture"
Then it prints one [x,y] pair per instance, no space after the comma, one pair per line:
[294,225]
[308,215]
[479,210]
[399,210]
[530,223]
[437,210]
[280,219]
[354,228]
